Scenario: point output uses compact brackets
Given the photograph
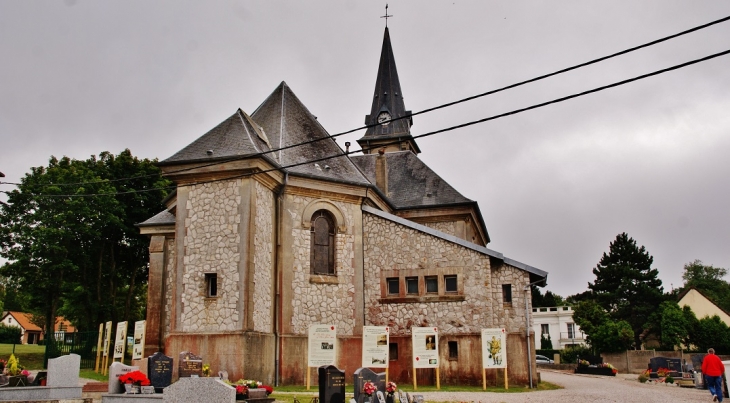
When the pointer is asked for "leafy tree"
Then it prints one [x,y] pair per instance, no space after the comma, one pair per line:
[670,324]
[543,301]
[712,332]
[709,280]
[546,342]
[9,334]
[69,236]
[612,337]
[588,315]
[626,286]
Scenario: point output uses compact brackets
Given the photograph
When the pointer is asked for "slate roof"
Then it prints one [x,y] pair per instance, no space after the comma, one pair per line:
[162,218]
[288,122]
[237,136]
[388,97]
[411,183]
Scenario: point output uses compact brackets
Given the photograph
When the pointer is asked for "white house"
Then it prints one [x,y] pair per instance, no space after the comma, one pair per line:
[557,321]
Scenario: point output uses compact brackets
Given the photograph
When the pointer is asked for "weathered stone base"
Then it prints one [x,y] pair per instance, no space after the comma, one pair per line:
[125,398]
[30,393]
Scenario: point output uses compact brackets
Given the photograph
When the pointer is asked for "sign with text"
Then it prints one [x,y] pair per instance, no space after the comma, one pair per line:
[107,337]
[322,345]
[120,340]
[375,340]
[138,347]
[425,341]
[494,348]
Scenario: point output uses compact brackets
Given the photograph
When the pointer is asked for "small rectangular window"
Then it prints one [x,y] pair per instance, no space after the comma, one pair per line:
[211,285]
[450,284]
[432,284]
[393,351]
[393,284]
[453,350]
[571,330]
[412,285]
[507,293]
[545,328]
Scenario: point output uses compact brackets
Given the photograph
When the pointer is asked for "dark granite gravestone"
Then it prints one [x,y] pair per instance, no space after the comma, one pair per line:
[363,375]
[697,361]
[331,384]
[674,365]
[159,371]
[190,365]
[592,359]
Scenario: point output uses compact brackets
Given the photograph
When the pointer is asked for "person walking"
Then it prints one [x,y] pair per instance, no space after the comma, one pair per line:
[712,369]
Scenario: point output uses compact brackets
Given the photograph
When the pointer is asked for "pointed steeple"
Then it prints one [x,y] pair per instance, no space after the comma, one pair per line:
[388,104]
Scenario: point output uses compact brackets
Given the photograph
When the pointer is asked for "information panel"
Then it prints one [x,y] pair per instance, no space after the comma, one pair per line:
[139,332]
[494,348]
[107,337]
[322,345]
[375,341]
[120,340]
[425,341]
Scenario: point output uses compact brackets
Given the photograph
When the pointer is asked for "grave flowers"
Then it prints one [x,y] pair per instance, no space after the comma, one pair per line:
[243,386]
[134,381]
[15,372]
[390,389]
[369,388]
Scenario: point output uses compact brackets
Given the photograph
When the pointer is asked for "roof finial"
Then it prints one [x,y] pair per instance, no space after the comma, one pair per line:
[386,15]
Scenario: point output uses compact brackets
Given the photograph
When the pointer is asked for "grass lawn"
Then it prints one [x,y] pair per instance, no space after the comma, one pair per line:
[29,355]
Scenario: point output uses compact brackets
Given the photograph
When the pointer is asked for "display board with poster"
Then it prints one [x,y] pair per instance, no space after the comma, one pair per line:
[494,352]
[138,346]
[322,347]
[120,341]
[375,341]
[425,346]
[107,341]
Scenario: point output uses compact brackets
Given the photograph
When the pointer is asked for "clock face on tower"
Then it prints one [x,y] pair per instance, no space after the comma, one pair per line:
[384,117]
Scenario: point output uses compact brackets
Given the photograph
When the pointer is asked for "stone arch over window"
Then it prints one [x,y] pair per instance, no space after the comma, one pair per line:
[322,204]
[322,250]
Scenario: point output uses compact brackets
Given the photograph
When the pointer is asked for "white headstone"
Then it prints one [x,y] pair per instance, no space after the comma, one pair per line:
[64,370]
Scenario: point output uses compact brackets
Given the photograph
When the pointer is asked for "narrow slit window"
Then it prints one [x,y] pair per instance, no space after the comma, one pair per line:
[412,285]
[393,285]
[453,350]
[211,285]
[507,293]
[432,285]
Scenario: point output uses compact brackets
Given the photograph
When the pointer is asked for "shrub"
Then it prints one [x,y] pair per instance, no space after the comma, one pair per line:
[643,378]
[669,379]
[9,334]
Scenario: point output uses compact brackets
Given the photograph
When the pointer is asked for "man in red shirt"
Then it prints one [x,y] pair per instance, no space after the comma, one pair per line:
[712,369]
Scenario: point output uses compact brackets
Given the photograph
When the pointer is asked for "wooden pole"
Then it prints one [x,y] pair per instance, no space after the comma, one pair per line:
[98,348]
[415,383]
[438,379]
[386,375]
[484,379]
[308,377]
[506,385]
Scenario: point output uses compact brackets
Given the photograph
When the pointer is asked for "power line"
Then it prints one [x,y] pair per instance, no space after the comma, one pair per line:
[442,106]
[493,117]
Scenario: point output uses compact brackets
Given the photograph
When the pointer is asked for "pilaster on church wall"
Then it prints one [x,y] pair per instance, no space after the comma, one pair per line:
[510,316]
[169,275]
[394,248]
[211,245]
[320,299]
[263,259]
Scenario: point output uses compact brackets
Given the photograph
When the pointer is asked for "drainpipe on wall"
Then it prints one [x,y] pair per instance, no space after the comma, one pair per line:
[527,329]
[277,273]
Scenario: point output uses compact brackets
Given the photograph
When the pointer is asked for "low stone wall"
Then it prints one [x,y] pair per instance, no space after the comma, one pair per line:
[33,393]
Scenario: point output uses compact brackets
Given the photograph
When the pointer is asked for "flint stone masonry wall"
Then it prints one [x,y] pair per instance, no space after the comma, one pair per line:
[511,317]
[211,246]
[263,258]
[388,245]
[169,275]
[448,227]
[319,302]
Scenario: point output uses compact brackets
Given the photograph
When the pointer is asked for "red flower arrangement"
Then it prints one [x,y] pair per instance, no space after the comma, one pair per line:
[241,389]
[135,378]
[369,388]
[391,388]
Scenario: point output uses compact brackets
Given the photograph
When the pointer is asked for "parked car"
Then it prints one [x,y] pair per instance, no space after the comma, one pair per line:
[541,359]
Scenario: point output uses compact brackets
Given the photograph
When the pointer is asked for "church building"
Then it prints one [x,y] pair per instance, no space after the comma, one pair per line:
[274,227]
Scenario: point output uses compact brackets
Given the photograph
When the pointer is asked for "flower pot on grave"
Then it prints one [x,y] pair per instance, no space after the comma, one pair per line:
[131,388]
[240,396]
[18,380]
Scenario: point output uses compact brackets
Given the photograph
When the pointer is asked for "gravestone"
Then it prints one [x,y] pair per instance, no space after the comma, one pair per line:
[381,397]
[592,359]
[402,397]
[187,390]
[418,399]
[116,370]
[64,370]
[159,371]
[190,365]
[697,361]
[672,364]
[331,384]
[363,375]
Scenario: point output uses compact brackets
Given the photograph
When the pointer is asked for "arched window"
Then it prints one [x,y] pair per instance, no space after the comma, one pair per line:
[322,259]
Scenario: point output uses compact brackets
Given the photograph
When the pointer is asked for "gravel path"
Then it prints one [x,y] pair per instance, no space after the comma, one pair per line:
[584,388]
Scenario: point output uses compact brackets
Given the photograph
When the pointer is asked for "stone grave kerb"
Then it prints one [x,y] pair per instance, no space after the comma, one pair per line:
[208,389]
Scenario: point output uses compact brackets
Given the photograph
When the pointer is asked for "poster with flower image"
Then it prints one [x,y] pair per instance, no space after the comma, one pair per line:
[322,345]
[494,348]
[425,342]
[375,341]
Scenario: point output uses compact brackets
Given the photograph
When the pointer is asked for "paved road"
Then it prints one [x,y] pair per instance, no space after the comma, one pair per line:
[585,388]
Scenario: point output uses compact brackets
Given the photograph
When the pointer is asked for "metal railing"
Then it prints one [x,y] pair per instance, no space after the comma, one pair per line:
[64,343]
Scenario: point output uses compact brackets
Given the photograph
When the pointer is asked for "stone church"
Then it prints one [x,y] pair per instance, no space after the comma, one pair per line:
[273,227]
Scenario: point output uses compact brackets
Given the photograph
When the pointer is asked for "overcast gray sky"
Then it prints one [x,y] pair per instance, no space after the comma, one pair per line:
[555,185]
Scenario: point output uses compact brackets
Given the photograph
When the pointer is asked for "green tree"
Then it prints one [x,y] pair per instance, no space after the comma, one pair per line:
[543,301]
[671,324]
[546,343]
[626,286]
[612,337]
[712,332]
[709,280]
[9,334]
[69,236]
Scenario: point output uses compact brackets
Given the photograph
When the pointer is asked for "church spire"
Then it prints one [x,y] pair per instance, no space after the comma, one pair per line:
[387,105]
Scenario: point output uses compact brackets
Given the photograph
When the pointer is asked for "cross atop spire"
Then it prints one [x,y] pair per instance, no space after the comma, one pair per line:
[386,16]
